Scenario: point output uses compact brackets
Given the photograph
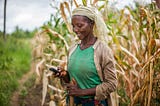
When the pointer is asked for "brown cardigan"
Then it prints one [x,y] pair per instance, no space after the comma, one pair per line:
[105,64]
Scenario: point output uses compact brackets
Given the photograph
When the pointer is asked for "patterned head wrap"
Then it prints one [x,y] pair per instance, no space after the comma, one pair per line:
[100,29]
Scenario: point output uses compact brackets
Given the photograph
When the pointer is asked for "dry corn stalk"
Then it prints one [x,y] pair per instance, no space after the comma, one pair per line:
[76,4]
[150,84]
[45,83]
[63,14]
[71,98]
[151,59]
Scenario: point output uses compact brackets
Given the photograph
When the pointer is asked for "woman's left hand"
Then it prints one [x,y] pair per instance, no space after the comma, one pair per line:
[74,90]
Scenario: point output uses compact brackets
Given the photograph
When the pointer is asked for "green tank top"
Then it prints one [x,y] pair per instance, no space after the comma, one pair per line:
[82,68]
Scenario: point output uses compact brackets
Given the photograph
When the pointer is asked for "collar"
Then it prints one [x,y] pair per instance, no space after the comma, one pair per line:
[94,46]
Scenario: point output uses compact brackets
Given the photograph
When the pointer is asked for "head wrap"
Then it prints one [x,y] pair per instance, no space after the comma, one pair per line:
[99,29]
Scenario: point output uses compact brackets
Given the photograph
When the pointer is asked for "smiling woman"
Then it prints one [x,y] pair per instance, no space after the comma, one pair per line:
[91,65]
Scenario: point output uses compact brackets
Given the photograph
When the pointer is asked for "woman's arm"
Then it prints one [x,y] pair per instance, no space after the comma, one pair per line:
[109,83]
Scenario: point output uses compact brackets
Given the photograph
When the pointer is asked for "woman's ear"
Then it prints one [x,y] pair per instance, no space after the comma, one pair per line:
[92,24]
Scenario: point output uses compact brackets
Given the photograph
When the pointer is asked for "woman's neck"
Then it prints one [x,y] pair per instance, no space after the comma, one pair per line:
[88,41]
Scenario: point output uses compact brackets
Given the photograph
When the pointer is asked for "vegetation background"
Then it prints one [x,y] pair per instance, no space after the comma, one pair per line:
[134,36]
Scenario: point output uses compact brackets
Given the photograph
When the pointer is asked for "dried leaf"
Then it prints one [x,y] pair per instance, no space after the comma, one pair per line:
[54,47]
[38,67]
[155,42]
[67,6]
[115,99]
[52,103]
[150,59]
[150,83]
[130,54]
[56,89]
[57,60]
[62,12]
[45,83]
[137,94]
[95,1]
[75,3]
[134,41]
[60,36]
[65,18]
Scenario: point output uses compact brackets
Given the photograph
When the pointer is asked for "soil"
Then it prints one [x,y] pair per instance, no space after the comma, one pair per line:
[33,98]
[28,94]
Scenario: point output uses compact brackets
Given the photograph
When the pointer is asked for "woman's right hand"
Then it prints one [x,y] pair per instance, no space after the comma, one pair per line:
[62,73]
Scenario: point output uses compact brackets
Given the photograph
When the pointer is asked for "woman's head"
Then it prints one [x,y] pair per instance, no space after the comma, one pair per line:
[93,16]
[82,26]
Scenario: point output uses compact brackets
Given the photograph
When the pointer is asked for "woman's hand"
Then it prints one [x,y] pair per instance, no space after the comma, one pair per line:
[59,72]
[74,90]
[63,74]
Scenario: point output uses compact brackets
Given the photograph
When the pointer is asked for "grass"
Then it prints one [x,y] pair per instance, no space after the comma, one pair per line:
[15,59]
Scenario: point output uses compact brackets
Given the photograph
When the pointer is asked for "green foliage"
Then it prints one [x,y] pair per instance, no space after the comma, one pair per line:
[23,93]
[14,62]
[20,33]
[58,25]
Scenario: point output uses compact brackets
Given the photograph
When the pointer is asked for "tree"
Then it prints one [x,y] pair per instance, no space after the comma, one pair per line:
[4,24]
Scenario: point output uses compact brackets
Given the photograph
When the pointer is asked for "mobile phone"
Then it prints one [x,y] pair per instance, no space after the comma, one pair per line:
[54,70]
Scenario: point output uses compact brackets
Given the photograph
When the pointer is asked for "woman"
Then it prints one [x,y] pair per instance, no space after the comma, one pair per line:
[91,63]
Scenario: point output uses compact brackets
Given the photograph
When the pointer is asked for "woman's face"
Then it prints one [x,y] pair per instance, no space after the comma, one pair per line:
[81,26]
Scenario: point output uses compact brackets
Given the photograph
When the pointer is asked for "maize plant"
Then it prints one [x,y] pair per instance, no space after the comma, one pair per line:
[134,38]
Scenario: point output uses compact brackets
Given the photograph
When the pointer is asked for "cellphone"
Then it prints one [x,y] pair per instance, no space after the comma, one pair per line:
[54,70]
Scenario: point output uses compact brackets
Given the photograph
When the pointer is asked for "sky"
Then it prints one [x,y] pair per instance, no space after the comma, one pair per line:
[30,14]
[27,14]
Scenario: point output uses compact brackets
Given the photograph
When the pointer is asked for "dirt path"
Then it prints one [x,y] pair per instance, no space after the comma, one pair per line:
[15,97]
[32,95]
